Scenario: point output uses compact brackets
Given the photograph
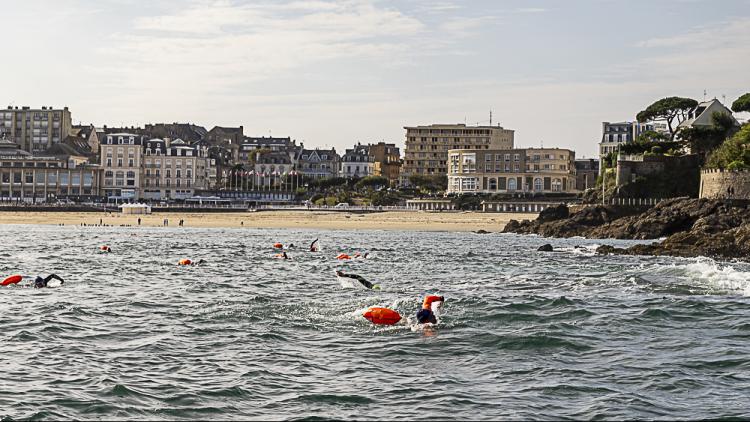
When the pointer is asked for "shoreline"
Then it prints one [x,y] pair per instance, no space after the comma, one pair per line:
[325,220]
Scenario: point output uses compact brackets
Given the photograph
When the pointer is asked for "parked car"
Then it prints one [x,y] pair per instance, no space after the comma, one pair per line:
[342,205]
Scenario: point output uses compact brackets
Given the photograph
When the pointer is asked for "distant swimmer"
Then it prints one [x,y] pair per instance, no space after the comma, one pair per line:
[313,246]
[343,256]
[361,256]
[282,255]
[44,282]
[106,249]
[360,279]
[186,261]
[425,314]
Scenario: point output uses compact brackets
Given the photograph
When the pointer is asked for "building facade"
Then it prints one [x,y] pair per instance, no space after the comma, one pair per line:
[614,135]
[387,161]
[357,162]
[37,129]
[318,163]
[28,178]
[426,151]
[532,170]
[587,171]
[122,161]
[174,169]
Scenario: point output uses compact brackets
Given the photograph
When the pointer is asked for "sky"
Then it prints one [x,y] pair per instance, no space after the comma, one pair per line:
[333,73]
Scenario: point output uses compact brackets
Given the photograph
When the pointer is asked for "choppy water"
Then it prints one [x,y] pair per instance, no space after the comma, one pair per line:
[523,334]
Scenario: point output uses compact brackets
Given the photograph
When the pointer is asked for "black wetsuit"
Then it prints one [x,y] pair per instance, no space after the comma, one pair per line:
[42,282]
[356,277]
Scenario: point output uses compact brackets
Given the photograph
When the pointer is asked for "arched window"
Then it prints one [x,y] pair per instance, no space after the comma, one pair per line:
[556,185]
[512,183]
[120,175]
[131,175]
[538,184]
[493,184]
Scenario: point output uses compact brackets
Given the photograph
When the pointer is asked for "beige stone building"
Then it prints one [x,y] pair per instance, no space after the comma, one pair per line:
[35,129]
[45,178]
[426,151]
[174,169]
[531,170]
[387,161]
[122,159]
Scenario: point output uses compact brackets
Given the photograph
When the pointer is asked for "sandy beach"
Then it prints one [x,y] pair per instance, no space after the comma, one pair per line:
[331,220]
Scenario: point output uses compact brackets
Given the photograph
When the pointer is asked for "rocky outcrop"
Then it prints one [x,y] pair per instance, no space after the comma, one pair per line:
[692,227]
[545,248]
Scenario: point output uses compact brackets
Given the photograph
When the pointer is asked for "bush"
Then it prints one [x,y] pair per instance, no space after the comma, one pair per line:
[736,165]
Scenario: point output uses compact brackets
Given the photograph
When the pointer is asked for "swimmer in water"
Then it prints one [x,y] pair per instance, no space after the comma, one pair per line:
[314,248]
[40,282]
[425,315]
[359,255]
[282,255]
[360,279]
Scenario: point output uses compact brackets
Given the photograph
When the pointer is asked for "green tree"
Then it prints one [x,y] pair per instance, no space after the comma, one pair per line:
[672,110]
[372,182]
[431,183]
[742,104]
[734,152]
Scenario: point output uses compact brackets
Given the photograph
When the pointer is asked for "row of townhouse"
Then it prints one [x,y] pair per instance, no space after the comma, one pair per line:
[135,167]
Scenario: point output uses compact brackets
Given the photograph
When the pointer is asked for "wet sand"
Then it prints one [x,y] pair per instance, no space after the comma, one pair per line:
[331,220]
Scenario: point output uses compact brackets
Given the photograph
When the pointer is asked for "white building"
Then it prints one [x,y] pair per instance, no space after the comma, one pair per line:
[174,170]
[357,162]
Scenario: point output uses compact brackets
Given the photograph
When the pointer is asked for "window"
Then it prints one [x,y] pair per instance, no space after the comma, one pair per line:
[512,184]
[556,185]
[538,184]
[131,175]
[493,184]
[119,162]
[507,157]
[516,157]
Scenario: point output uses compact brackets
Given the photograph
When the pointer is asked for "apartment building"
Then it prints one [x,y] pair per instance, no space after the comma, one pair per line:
[44,178]
[387,161]
[174,169]
[426,151]
[122,160]
[35,129]
[614,135]
[318,163]
[250,145]
[357,162]
[531,170]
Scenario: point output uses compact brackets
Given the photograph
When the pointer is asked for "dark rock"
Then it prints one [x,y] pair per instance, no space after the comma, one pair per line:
[555,213]
[545,248]
[482,232]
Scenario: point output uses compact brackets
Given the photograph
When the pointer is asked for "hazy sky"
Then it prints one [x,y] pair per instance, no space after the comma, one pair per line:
[336,72]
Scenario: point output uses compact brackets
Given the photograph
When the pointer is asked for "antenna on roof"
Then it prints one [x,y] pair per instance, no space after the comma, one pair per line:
[490,117]
[704,95]
[723,98]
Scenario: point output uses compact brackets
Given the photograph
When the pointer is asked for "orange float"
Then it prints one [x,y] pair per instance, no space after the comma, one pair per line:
[343,256]
[185,261]
[106,248]
[11,280]
[278,245]
[382,316]
[427,304]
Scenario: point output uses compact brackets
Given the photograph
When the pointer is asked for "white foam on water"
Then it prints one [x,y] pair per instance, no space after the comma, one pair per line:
[722,276]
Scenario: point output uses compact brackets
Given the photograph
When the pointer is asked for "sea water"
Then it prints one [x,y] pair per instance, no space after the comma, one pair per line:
[522,334]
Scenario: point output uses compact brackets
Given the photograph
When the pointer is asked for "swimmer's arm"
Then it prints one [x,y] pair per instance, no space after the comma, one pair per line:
[51,276]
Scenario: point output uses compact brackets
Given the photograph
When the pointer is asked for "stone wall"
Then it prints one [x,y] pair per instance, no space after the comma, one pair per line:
[716,182]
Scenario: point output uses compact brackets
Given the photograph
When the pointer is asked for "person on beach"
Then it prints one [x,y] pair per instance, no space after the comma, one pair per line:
[359,278]
[425,315]
[40,282]
[313,247]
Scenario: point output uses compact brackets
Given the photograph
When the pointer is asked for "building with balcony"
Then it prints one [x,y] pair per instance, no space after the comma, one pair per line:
[174,169]
[318,163]
[426,151]
[122,161]
[614,135]
[357,162]
[531,170]
[35,129]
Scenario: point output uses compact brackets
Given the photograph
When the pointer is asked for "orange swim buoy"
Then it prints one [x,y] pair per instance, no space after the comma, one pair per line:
[343,256]
[382,316]
[106,248]
[185,261]
[11,280]
[427,304]
[278,245]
